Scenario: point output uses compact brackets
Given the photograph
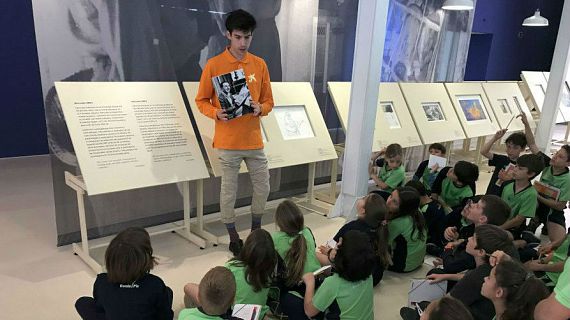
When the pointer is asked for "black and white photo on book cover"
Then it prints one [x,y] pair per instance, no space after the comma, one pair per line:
[233,93]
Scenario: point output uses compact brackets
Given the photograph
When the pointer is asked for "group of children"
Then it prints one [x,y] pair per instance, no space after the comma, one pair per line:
[480,242]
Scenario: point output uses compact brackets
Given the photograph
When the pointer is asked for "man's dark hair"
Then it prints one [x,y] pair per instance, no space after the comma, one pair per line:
[437,146]
[240,20]
[518,139]
[355,256]
[496,209]
[466,172]
[532,162]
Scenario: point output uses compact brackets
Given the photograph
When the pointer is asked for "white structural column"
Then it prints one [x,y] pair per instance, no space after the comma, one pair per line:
[369,47]
[558,72]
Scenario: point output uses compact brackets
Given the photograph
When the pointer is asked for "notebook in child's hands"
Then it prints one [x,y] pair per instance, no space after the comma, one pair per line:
[246,311]
[507,169]
[440,161]
[547,191]
[424,290]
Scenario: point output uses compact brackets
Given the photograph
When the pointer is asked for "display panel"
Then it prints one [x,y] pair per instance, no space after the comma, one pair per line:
[293,122]
[507,102]
[432,111]
[130,135]
[393,123]
[473,109]
[537,83]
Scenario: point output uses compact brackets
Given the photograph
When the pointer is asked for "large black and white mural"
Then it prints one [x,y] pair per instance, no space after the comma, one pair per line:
[170,40]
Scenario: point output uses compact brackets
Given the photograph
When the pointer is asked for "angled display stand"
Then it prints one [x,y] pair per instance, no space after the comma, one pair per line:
[393,120]
[564,106]
[130,135]
[507,102]
[433,112]
[536,83]
[473,109]
[295,132]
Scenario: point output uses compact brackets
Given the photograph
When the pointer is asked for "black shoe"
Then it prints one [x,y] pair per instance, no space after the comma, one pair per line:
[529,238]
[409,313]
[235,247]
[533,225]
[544,230]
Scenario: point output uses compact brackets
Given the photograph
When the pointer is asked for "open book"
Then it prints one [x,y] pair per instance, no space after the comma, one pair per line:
[246,311]
[424,290]
[547,191]
[233,93]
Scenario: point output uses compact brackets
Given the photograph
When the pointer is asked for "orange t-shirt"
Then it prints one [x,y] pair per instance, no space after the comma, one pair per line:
[242,133]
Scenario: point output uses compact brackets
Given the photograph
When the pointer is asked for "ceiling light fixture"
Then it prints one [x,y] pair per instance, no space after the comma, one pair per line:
[536,20]
[458,5]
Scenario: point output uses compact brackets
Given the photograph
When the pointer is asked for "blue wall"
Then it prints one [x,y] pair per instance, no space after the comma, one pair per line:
[514,48]
[22,119]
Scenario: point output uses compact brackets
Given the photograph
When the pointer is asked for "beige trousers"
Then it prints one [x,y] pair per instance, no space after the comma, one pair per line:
[256,163]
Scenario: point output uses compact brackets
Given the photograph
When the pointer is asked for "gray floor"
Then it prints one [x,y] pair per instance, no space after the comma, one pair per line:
[39,278]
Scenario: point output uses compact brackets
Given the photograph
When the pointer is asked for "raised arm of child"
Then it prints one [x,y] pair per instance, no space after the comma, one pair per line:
[486,150]
[529,135]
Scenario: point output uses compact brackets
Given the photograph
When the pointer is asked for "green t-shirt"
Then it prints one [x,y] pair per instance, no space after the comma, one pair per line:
[393,178]
[416,248]
[428,177]
[562,288]
[245,293]
[355,299]
[523,202]
[195,314]
[452,194]
[283,243]
[561,181]
[560,254]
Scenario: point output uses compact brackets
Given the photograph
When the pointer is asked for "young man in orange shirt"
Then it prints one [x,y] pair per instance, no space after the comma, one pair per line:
[239,139]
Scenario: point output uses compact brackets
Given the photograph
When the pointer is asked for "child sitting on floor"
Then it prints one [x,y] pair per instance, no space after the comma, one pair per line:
[127,290]
[391,173]
[427,175]
[453,185]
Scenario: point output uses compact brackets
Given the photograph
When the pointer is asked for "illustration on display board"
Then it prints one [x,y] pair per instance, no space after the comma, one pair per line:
[433,111]
[390,115]
[293,122]
[472,108]
[504,104]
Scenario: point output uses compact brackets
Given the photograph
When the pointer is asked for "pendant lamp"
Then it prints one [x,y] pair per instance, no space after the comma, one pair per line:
[536,20]
[458,5]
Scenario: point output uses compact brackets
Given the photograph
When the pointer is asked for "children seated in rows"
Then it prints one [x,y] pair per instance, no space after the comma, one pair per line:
[372,214]
[348,293]
[128,290]
[427,175]
[391,172]
[407,231]
[253,271]
[556,174]
[515,144]
[453,185]
[215,296]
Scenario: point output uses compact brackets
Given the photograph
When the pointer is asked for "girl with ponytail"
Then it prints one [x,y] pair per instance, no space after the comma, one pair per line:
[371,213]
[407,230]
[294,242]
[514,291]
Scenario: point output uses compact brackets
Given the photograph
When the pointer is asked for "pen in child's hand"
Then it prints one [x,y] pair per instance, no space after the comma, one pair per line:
[254,313]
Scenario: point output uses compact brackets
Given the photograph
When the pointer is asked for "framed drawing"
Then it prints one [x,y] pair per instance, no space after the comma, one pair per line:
[473,109]
[393,120]
[293,122]
[432,111]
[507,102]
[390,115]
